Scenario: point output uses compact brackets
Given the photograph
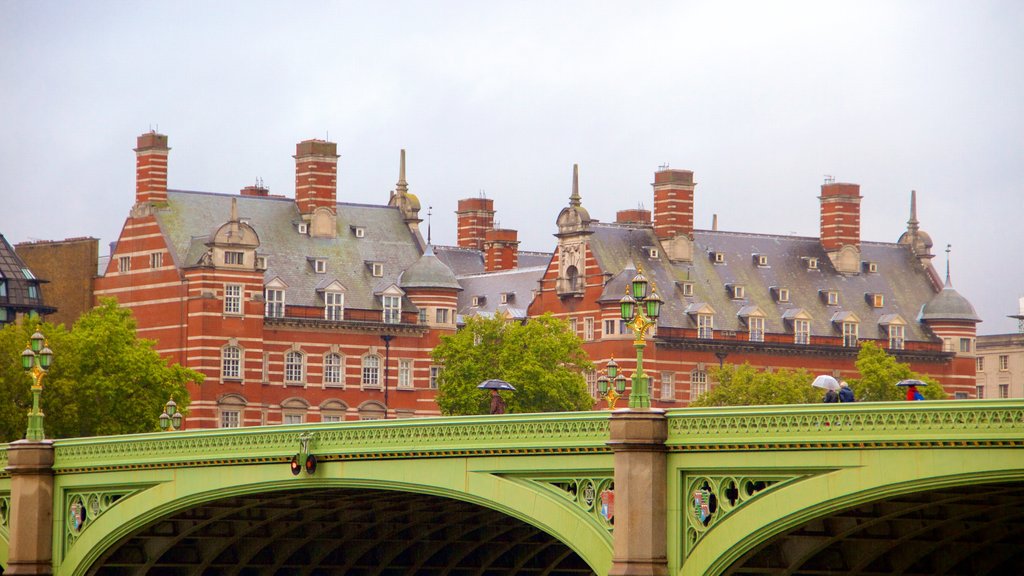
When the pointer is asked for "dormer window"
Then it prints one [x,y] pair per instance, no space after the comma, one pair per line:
[831,297]
[376,269]
[781,294]
[359,231]
[717,257]
[261,262]
[652,252]
[812,263]
[479,300]
[687,288]
[232,258]
[875,300]
[505,297]
[303,228]
[761,260]
[870,267]
[736,291]
[319,265]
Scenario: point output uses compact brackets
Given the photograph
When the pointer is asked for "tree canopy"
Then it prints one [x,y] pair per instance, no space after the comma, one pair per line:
[745,385]
[103,380]
[879,373]
[541,358]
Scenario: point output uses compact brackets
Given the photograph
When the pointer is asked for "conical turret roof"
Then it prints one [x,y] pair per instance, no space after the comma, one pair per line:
[428,272]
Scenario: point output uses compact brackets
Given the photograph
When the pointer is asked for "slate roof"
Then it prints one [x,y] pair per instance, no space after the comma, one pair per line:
[191,218]
[904,284]
[519,283]
[465,261]
[428,272]
[17,278]
[948,304]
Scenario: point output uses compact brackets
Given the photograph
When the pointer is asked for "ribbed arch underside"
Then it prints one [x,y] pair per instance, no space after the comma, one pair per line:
[970,530]
[339,531]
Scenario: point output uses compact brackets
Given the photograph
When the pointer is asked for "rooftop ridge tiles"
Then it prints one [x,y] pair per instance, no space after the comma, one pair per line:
[503,272]
[275,198]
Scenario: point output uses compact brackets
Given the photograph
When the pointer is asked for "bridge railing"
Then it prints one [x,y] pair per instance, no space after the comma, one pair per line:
[953,423]
[517,434]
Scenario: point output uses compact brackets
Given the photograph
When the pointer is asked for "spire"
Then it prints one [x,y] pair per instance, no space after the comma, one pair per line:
[912,224]
[574,200]
[949,247]
[429,212]
[402,187]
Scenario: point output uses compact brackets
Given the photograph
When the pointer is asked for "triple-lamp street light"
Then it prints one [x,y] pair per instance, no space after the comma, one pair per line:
[36,361]
[640,310]
[171,418]
[612,386]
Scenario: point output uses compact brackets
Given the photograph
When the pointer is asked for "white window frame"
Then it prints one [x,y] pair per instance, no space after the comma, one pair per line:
[877,300]
[719,258]
[234,258]
[812,263]
[573,326]
[608,332]
[230,418]
[377,269]
[441,315]
[1004,391]
[503,298]
[320,266]
[405,373]
[897,336]
[156,259]
[588,328]
[755,328]
[705,326]
[738,292]
[370,371]
[232,298]
[435,373]
[124,264]
[698,384]
[762,260]
[275,302]
[292,417]
[966,346]
[783,294]
[1004,362]
[231,363]
[668,386]
[334,306]
[334,370]
[392,312]
[294,367]
[330,418]
[687,288]
[422,316]
[979,364]
[851,334]
[979,390]
[801,331]
[832,297]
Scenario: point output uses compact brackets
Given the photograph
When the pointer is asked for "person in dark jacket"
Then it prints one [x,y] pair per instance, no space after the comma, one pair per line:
[831,396]
[497,403]
[845,393]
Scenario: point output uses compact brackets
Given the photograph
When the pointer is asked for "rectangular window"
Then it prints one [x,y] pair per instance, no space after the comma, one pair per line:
[334,366]
[330,418]
[833,298]
[275,303]
[738,292]
[980,391]
[232,298]
[850,334]
[812,263]
[965,345]
[404,373]
[4,317]
[320,266]
[435,371]
[334,305]
[783,294]
[231,363]
[293,367]
[623,327]
[423,316]
[156,259]
[378,270]
[234,258]
[698,384]
[33,291]
[3,288]
[230,419]
[609,328]
[591,379]
[1004,362]
[668,386]
[947,344]
[441,315]
[573,326]
[1004,390]
[293,418]
[878,300]
[392,309]
[371,371]
[588,329]
[687,288]
[979,363]
[124,264]
[705,326]
[756,325]
[896,332]
[801,331]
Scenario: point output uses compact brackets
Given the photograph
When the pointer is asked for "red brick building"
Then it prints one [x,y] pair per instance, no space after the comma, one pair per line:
[771,300]
[304,309]
[70,267]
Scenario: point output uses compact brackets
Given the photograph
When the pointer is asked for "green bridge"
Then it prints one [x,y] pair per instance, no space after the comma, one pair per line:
[873,488]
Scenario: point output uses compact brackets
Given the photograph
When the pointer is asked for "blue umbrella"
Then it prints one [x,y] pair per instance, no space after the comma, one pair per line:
[495,384]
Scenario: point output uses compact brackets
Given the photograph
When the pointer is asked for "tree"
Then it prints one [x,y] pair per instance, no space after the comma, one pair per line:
[104,379]
[746,386]
[879,373]
[541,358]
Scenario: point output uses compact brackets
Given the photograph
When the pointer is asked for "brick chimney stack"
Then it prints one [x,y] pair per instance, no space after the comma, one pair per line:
[255,190]
[501,249]
[151,168]
[673,203]
[633,216]
[840,215]
[475,218]
[316,176]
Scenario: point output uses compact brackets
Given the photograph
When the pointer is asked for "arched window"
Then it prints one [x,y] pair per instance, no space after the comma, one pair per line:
[293,411]
[333,411]
[371,371]
[572,278]
[371,410]
[294,367]
[334,370]
[230,409]
[231,363]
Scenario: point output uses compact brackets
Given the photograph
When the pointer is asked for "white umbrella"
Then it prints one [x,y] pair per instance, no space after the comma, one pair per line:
[826,382]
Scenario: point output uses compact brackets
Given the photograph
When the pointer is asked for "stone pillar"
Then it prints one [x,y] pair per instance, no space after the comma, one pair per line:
[641,490]
[31,522]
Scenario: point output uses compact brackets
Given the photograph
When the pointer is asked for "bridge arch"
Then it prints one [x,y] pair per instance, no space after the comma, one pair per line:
[806,523]
[511,505]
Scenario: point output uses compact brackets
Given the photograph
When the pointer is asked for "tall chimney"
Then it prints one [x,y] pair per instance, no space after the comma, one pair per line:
[475,218]
[316,175]
[840,215]
[673,203]
[633,216]
[151,168]
[501,249]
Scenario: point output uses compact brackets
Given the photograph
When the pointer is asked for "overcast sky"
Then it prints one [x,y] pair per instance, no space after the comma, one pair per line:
[761,100]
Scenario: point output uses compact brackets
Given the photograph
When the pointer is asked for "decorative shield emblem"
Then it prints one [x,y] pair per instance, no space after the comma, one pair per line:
[701,505]
[76,515]
[608,504]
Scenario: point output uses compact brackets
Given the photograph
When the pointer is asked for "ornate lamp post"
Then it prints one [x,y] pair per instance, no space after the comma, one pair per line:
[36,361]
[640,310]
[171,419]
[613,385]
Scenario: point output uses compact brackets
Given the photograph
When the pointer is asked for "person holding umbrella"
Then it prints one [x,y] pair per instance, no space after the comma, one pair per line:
[831,386]
[912,392]
[498,405]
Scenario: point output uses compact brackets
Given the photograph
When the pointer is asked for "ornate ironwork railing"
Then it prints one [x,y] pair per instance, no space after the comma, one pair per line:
[953,423]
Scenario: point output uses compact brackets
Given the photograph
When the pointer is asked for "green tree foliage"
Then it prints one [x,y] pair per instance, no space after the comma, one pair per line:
[104,380]
[879,373]
[542,359]
[746,386]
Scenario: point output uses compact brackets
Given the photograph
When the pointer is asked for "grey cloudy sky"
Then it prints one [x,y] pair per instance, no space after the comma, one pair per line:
[760,99]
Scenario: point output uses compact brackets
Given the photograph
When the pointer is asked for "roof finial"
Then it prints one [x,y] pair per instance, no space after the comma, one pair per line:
[402,187]
[574,200]
[912,224]
[949,248]
[429,213]
[234,210]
